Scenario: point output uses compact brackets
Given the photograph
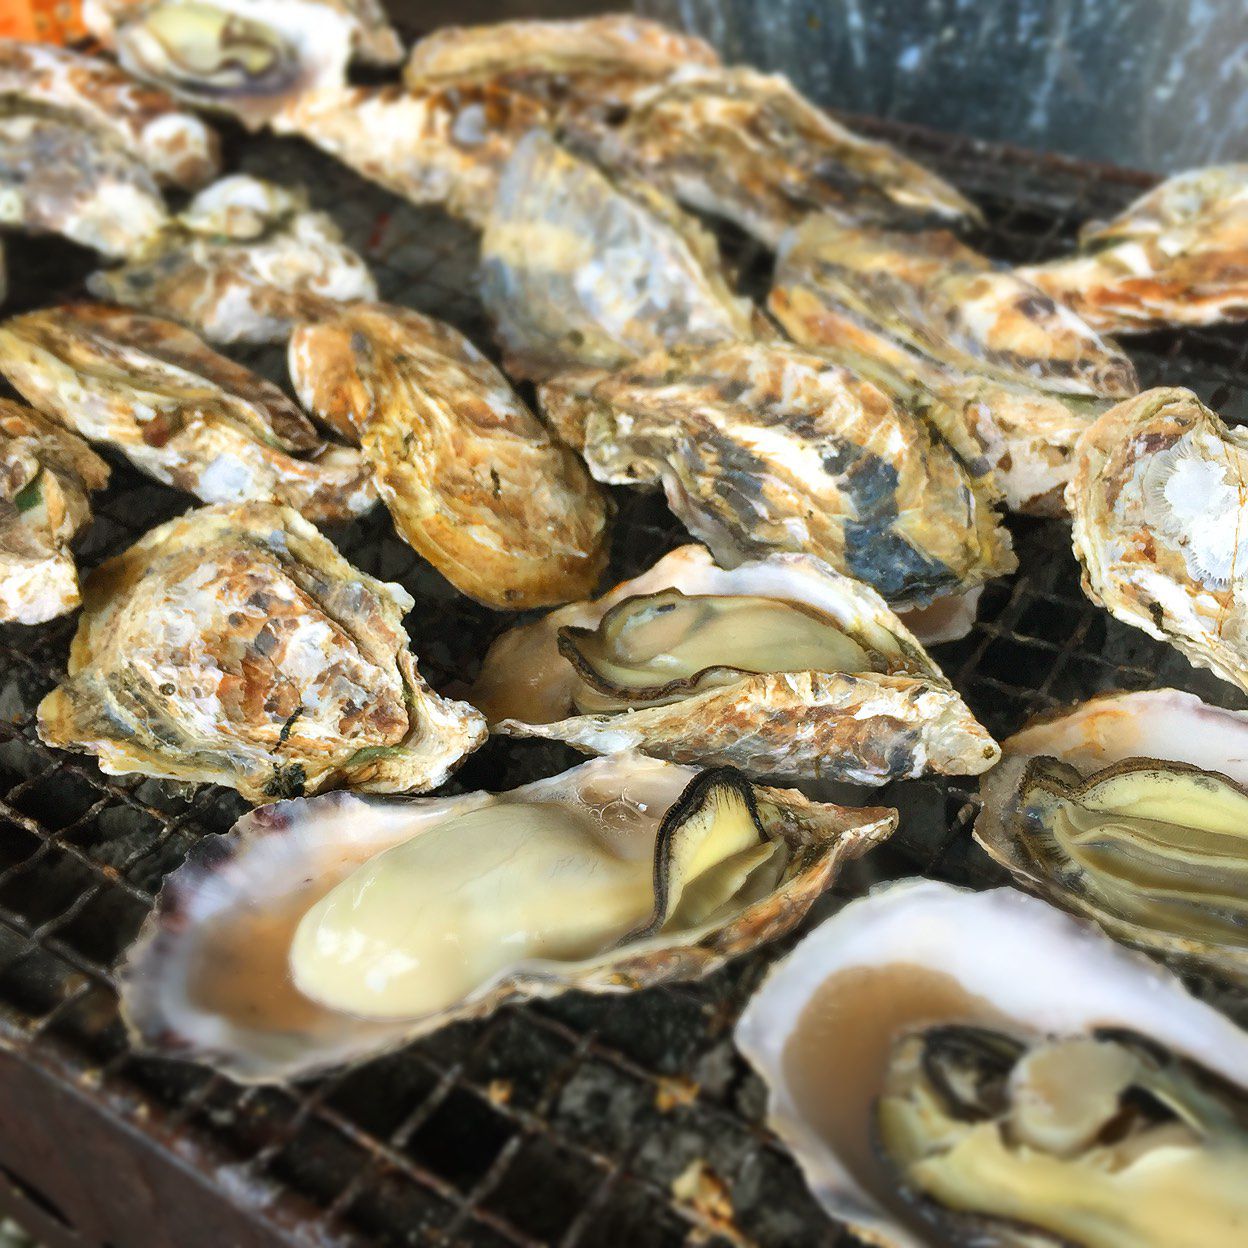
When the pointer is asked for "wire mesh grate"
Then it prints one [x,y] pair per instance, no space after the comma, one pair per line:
[582,1121]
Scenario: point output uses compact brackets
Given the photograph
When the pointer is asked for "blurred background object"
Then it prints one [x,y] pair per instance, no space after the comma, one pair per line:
[51,21]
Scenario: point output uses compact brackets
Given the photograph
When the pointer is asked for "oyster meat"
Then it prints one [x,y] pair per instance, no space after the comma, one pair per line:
[176,146]
[1159,501]
[865,1036]
[474,481]
[1010,377]
[242,263]
[45,476]
[764,447]
[236,645]
[580,271]
[778,667]
[179,411]
[1177,256]
[317,932]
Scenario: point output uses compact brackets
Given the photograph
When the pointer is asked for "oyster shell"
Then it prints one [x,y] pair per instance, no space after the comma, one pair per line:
[242,263]
[176,146]
[778,667]
[179,411]
[764,446]
[1159,499]
[236,645]
[474,481]
[580,271]
[1009,377]
[919,954]
[45,476]
[1177,256]
[618,874]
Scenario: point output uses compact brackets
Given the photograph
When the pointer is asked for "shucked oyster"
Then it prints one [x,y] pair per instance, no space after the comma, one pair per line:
[242,263]
[176,146]
[577,270]
[179,411]
[1177,256]
[45,475]
[1160,500]
[474,481]
[779,667]
[1055,1145]
[764,447]
[1008,376]
[317,932]
[236,645]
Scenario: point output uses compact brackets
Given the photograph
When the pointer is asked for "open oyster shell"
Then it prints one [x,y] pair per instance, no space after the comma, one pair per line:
[1158,505]
[179,411]
[918,954]
[176,146]
[236,645]
[619,874]
[45,476]
[586,674]
[764,446]
[1009,377]
[1177,256]
[474,481]
[581,271]
[242,263]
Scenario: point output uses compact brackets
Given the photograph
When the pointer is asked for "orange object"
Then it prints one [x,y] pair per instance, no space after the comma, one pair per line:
[50,21]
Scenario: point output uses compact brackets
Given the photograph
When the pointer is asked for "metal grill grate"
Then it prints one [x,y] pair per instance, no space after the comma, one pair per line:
[584,1121]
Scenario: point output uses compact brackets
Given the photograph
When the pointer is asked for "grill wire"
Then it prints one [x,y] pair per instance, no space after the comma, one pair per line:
[583,1121]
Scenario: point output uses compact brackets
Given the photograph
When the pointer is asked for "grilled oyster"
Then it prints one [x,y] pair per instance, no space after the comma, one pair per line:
[474,481]
[619,874]
[779,667]
[242,263]
[45,475]
[1009,377]
[577,270]
[236,645]
[1159,500]
[763,447]
[1177,256]
[177,147]
[922,956]
[62,174]
[179,411]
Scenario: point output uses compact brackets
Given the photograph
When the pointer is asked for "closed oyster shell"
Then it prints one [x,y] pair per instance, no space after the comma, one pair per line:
[45,476]
[179,411]
[1177,256]
[1159,500]
[242,263]
[899,717]
[581,271]
[1008,376]
[236,645]
[474,481]
[210,974]
[763,447]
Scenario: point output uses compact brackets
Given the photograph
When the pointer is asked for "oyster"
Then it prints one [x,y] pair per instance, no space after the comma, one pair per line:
[619,874]
[1177,256]
[242,263]
[580,271]
[45,476]
[763,447]
[927,957]
[236,645]
[179,411]
[177,147]
[1159,500]
[778,667]
[474,481]
[1009,377]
